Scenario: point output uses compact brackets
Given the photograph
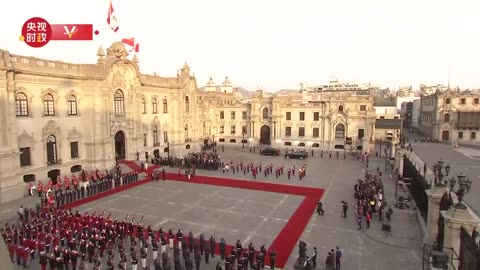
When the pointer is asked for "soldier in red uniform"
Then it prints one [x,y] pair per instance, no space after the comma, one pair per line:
[40,188]
[74,181]
[66,183]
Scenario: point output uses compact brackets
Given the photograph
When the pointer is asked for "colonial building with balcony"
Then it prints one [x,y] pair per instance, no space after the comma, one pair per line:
[450,116]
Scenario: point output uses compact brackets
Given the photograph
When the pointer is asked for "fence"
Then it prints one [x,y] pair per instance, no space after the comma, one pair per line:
[417,187]
[469,250]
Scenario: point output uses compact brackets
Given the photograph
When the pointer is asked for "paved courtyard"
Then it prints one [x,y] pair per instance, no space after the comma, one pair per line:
[258,217]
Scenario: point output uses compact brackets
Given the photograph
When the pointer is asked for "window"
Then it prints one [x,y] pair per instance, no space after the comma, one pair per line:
[144,106]
[222,115]
[340,131]
[288,131]
[302,116]
[462,101]
[265,113]
[187,104]
[447,101]
[25,158]
[21,104]
[165,105]
[473,135]
[301,132]
[165,136]
[446,118]
[363,108]
[74,150]
[51,150]
[316,132]
[118,102]
[475,101]
[48,109]
[72,105]
[460,135]
[316,116]
[340,108]
[244,115]
[361,133]
[154,106]
[232,129]
[244,130]
[155,136]
[288,116]
[144,139]
[222,129]
[232,115]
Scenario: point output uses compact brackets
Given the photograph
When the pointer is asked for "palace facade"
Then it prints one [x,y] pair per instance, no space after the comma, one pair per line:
[58,118]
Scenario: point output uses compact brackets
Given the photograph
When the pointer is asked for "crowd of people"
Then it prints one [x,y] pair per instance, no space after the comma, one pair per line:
[61,239]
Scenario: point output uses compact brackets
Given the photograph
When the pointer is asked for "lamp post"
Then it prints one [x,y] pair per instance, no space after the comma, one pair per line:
[438,169]
[243,140]
[168,150]
[464,187]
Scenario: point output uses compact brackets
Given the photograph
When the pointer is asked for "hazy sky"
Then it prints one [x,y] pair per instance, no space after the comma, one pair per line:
[275,44]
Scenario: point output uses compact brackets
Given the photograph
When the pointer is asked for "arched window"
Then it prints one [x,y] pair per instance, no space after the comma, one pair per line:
[118,102]
[447,101]
[21,104]
[48,108]
[144,106]
[340,108]
[446,118]
[340,131]
[187,104]
[51,150]
[165,105]
[265,113]
[154,106]
[72,105]
[155,136]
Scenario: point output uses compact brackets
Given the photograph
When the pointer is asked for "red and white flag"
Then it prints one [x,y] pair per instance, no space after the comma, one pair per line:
[131,42]
[112,19]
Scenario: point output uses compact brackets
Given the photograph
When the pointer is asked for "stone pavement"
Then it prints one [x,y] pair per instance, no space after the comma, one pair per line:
[258,216]
[461,160]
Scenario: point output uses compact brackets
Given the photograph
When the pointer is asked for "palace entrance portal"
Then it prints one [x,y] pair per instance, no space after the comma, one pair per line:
[265,135]
[120,145]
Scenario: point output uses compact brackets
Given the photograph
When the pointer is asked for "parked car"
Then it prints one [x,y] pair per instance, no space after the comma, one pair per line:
[270,151]
[297,155]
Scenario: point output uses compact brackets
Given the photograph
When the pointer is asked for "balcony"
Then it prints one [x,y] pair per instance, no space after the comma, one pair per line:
[188,140]
[54,162]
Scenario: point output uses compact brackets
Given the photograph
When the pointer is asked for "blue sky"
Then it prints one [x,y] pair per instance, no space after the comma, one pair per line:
[274,44]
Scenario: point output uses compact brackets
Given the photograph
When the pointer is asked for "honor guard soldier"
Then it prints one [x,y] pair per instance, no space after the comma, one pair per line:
[74,259]
[198,259]
[163,243]
[202,243]
[207,252]
[143,255]
[223,247]
[273,257]
[179,238]
[191,239]
[228,262]
[43,260]
[52,262]
[154,249]
[244,262]
[239,248]
[212,246]
[66,258]
[170,238]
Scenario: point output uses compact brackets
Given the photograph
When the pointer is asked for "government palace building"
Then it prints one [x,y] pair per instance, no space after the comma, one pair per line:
[58,118]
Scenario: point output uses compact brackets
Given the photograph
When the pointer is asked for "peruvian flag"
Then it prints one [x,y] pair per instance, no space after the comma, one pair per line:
[131,42]
[112,19]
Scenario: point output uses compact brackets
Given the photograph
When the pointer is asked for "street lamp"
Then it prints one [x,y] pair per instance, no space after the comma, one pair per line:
[439,175]
[168,150]
[464,187]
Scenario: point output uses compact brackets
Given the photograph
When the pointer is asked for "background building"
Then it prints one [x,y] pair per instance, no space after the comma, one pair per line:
[450,116]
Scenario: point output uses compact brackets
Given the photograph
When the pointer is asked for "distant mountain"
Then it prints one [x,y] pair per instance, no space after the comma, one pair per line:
[285,92]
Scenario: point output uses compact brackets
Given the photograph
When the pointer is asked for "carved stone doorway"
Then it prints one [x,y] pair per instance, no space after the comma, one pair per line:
[265,135]
[445,135]
[120,145]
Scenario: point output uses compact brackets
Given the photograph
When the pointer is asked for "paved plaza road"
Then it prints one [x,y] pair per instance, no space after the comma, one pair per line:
[462,159]
[254,216]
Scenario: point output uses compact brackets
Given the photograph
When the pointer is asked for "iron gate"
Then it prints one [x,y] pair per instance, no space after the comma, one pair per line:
[469,250]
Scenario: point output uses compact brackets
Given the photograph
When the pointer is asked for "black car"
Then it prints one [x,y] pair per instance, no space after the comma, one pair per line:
[297,155]
[270,152]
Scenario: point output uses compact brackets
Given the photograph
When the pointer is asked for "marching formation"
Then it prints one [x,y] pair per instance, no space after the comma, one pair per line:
[61,239]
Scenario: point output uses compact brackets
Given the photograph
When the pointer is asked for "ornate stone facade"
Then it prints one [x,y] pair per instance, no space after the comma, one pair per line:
[57,117]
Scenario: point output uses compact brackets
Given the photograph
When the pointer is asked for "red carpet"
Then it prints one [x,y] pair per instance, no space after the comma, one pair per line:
[132,164]
[288,237]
